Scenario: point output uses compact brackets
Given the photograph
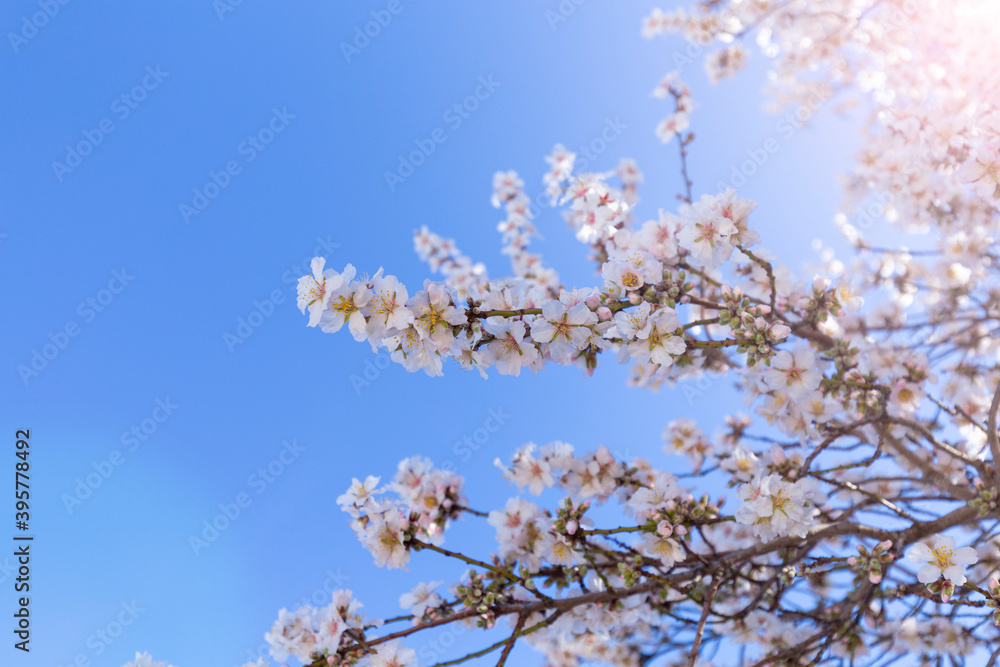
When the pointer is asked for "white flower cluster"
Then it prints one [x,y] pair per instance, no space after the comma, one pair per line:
[629,175]
[715,225]
[676,123]
[518,229]
[597,211]
[524,321]
[726,62]
[600,634]
[334,635]
[768,630]
[919,61]
[442,255]
[427,499]
[309,631]
[596,475]
[775,507]
[522,531]
[421,600]
[936,637]
[531,536]
[683,436]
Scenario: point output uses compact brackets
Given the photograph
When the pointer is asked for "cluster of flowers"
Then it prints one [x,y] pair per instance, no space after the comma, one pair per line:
[518,324]
[596,475]
[937,636]
[701,29]
[466,278]
[798,397]
[309,631]
[772,507]
[682,436]
[776,507]
[529,534]
[680,120]
[442,255]
[427,499]
[560,174]
[602,634]
[767,630]
[918,61]
[597,211]
[726,63]
[422,602]
[518,229]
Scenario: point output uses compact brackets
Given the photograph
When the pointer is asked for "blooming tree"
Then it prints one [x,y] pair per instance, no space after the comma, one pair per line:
[865,523]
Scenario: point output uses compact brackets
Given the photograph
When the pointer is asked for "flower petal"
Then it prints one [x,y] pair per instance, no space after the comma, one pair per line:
[928,574]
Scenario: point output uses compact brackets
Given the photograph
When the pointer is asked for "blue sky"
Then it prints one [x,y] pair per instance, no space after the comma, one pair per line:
[146,417]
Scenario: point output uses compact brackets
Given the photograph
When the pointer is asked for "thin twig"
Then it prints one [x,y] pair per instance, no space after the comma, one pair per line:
[706,610]
[489,649]
[683,142]
[510,642]
[991,433]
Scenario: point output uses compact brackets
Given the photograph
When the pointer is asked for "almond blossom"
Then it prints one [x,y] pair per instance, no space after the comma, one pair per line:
[421,599]
[510,351]
[775,507]
[316,290]
[941,558]
[794,372]
[564,330]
